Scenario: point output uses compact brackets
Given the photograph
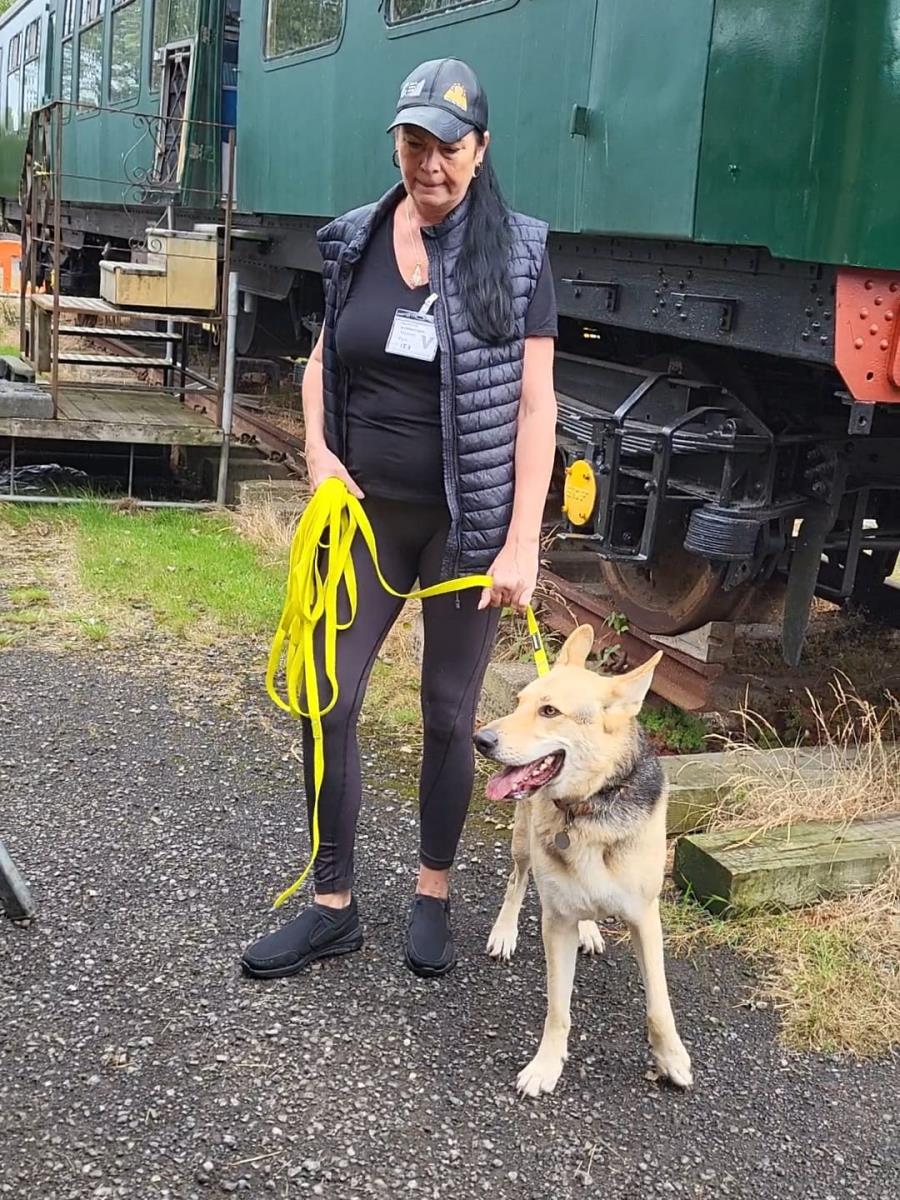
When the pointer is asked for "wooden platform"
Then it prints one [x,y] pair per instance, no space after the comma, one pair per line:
[108,415]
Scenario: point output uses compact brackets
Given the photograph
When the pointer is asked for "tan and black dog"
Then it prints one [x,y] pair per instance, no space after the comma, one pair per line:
[591,823]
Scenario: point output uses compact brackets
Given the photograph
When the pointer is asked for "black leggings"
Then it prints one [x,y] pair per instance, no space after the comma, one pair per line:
[458,641]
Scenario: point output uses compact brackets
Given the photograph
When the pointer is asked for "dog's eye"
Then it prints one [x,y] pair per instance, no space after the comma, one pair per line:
[547,710]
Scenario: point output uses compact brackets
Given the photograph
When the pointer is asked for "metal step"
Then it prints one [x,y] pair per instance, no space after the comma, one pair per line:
[132,362]
[102,308]
[113,331]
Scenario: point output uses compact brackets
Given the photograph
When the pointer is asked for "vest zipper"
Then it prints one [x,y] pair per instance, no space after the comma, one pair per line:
[448,408]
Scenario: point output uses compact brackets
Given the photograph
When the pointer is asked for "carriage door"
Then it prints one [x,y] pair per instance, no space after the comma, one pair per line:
[641,128]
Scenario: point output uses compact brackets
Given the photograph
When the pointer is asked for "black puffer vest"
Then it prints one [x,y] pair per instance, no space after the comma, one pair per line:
[480,384]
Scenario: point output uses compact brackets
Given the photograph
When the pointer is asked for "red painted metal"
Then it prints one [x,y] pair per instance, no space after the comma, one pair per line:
[867,334]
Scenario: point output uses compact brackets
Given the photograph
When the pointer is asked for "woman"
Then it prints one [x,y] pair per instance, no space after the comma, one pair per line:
[430,394]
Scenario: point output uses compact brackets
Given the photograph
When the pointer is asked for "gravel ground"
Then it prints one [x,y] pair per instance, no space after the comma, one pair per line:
[135,1061]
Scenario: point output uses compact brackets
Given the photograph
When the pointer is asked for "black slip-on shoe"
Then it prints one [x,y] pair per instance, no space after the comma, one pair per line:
[319,932]
[429,940]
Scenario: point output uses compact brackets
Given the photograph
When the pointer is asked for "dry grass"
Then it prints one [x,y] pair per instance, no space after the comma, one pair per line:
[852,769]
[832,971]
[270,527]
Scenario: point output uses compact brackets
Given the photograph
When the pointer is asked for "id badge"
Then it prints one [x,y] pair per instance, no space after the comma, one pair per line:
[414,334]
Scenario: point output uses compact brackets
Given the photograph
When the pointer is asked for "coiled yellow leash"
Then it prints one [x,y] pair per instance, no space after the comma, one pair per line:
[320,566]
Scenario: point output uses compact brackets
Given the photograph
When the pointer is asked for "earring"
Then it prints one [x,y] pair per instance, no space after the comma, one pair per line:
[395,159]
[477,171]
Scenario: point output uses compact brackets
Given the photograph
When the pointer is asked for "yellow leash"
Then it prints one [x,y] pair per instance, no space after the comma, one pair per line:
[320,566]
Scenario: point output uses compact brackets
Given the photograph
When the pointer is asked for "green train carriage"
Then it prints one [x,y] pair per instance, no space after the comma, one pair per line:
[719,177]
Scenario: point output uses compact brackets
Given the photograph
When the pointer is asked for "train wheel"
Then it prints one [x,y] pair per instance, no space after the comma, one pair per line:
[677,592]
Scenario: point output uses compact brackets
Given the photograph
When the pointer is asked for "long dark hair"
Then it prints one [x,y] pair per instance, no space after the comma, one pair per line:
[483,265]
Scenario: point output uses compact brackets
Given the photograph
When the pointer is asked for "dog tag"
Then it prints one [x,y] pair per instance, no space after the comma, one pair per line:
[414,334]
[562,841]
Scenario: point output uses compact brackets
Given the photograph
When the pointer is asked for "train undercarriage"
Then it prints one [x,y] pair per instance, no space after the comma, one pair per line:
[703,451]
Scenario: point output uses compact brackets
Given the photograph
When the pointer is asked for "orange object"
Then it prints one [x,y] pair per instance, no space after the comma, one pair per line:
[867,334]
[10,255]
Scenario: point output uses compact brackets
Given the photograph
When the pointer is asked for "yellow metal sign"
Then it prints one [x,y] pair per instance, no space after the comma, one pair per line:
[579,492]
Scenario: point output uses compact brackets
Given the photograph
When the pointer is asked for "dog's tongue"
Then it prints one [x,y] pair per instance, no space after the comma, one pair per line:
[507,781]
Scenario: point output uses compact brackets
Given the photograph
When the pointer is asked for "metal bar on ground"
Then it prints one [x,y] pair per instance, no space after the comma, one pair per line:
[14,894]
[228,390]
[201,504]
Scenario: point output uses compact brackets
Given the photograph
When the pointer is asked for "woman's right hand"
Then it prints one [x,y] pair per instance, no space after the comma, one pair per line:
[322,464]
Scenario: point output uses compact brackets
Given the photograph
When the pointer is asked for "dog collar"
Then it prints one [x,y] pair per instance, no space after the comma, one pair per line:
[587,808]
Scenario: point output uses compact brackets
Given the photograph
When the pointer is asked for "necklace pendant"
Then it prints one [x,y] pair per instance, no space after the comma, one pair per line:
[417,279]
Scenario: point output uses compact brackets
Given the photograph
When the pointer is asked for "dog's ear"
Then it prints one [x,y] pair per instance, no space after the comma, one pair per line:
[576,647]
[631,690]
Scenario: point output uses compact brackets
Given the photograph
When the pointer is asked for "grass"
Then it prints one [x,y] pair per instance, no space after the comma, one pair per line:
[192,572]
[24,596]
[832,972]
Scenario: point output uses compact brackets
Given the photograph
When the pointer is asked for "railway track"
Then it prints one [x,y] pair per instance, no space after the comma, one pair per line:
[681,679]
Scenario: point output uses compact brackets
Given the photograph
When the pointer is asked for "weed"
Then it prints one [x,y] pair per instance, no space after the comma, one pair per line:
[24,596]
[672,729]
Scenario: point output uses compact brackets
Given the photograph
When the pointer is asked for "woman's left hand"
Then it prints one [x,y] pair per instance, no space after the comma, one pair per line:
[514,572]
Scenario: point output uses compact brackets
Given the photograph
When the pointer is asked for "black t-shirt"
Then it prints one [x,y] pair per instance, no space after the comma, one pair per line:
[393,406]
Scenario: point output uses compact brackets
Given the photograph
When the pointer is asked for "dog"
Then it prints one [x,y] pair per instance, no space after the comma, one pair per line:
[591,824]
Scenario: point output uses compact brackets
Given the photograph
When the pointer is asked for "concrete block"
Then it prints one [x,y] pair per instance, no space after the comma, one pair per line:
[23,400]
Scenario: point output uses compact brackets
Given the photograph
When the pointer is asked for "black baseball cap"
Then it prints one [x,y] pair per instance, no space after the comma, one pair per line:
[444,97]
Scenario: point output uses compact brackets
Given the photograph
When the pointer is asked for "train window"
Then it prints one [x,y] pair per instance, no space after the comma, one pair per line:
[90,11]
[125,59]
[293,25]
[90,65]
[66,76]
[14,84]
[408,10]
[32,39]
[30,70]
[173,21]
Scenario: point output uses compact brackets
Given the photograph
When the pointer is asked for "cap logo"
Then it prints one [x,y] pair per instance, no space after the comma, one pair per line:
[457,95]
[412,88]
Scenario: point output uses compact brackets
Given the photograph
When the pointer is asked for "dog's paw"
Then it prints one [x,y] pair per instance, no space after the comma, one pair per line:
[541,1075]
[590,939]
[674,1063]
[502,941]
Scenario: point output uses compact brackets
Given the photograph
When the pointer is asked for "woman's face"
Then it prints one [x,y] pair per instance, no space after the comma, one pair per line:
[437,174]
